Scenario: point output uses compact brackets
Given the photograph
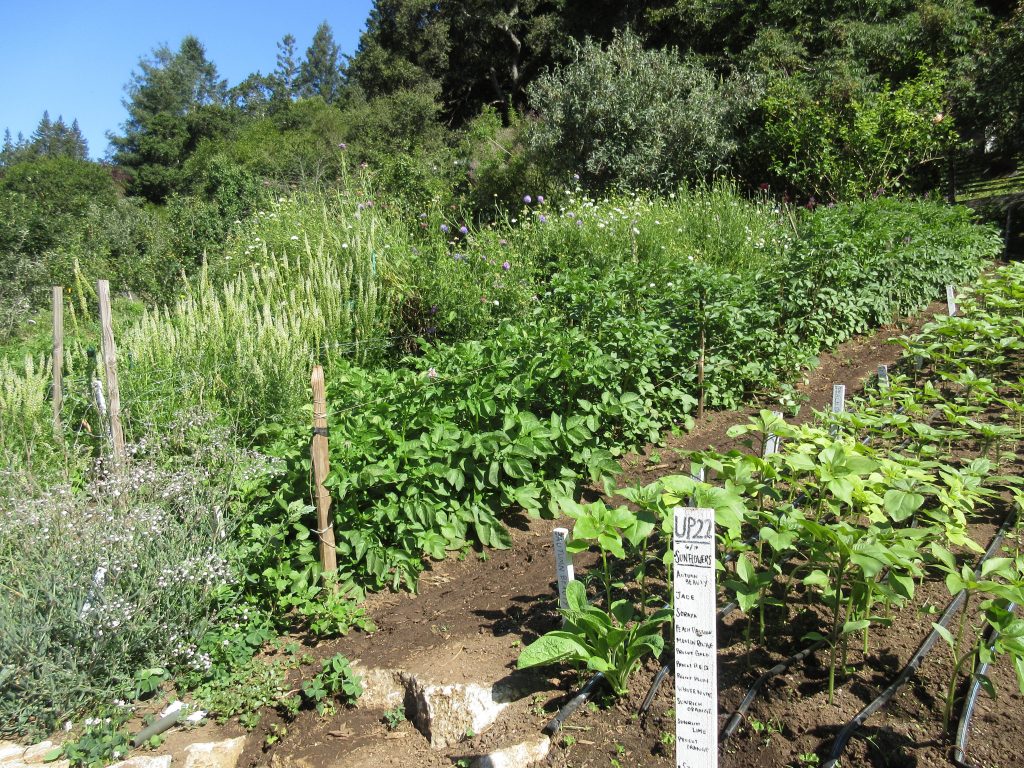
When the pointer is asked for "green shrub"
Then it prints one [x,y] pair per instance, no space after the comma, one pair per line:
[626,116]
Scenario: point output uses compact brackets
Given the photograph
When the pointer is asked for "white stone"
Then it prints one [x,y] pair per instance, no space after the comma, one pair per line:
[518,756]
[382,688]
[37,752]
[445,714]
[144,761]
[214,754]
[10,751]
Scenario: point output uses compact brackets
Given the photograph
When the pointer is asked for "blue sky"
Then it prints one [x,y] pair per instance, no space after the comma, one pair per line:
[74,58]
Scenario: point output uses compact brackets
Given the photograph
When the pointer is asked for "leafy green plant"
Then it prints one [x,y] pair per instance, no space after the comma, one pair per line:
[610,642]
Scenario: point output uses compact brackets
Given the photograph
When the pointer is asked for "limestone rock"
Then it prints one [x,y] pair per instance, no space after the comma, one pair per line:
[382,688]
[214,754]
[518,756]
[9,751]
[445,714]
[34,755]
[144,761]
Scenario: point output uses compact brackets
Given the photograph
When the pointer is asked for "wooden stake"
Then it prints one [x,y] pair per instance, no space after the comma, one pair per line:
[58,358]
[700,362]
[321,466]
[109,352]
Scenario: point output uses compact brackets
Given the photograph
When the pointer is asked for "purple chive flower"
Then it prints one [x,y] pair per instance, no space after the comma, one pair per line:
[506,266]
[343,145]
[542,218]
[432,373]
[444,228]
[527,199]
[503,241]
[458,257]
[464,229]
[433,309]
[423,215]
[540,199]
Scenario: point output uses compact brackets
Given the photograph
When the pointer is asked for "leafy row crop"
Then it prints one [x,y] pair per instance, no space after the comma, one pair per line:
[844,520]
[428,457]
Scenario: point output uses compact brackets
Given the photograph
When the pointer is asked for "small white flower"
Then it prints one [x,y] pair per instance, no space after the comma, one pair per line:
[495,302]
[295,237]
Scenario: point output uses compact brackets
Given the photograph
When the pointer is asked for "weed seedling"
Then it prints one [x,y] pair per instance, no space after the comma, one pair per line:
[394,717]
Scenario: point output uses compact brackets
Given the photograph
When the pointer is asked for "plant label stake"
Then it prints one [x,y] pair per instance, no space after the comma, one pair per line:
[693,546]
[771,443]
[883,377]
[563,564]
[838,398]
[950,301]
[699,476]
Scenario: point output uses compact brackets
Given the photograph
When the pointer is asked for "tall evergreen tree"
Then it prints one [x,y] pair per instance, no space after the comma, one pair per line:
[320,73]
[287,67]
[166,91]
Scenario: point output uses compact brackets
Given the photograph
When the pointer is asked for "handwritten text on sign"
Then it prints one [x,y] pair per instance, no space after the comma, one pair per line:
[696,641]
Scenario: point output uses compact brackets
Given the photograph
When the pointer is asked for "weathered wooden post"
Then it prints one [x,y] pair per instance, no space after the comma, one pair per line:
[109,352]
[321,466]
[58,359]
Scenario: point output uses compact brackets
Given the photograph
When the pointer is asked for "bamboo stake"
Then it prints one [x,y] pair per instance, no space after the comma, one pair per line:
[109,352]
[321,466]
[58,358]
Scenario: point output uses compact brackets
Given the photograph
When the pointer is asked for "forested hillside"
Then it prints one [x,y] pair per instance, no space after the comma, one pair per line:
[470,103]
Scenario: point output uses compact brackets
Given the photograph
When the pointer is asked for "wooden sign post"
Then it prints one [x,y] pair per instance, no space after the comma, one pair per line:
[563,564]
[321,466]
[109,352]
[58,358]
[696,667]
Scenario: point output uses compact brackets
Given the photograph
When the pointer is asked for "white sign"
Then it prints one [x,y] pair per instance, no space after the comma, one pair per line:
[563,565]
[950,300]
[883,376]
[838,398]
[771,443]
[693,546]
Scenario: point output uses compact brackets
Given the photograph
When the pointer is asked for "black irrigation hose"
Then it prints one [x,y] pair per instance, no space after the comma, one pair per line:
[778,669]
[844,735]
[963,729]
[575,703]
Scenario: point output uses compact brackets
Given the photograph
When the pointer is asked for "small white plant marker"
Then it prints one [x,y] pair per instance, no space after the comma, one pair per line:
[771,443]
[883,377]
[563,564]
[838,398]
[951,300]
[696,652]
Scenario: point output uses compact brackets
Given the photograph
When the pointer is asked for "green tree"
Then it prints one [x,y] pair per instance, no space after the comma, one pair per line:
[320,72]
[287,70]
[167,88]
[840,145]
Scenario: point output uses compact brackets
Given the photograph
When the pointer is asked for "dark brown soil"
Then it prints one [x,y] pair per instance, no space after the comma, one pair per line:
[472,616]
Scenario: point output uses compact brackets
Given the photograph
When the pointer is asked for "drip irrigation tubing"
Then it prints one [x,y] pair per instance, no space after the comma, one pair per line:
[577,701]
[963,730]
[954,606]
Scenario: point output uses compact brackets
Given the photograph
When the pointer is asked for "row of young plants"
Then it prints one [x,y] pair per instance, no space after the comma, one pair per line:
[431,450]
[845,519]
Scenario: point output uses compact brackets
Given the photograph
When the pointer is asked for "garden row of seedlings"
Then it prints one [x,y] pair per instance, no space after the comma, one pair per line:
[844,519]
